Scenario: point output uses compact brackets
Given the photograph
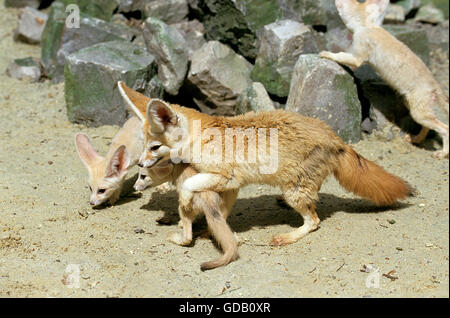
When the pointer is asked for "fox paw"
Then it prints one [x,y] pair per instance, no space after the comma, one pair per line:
[441,154]
[178,239]
[325,54]
[412,139]
[281,240]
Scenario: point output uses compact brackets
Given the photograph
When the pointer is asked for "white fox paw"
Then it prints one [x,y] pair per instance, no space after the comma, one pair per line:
[178,239]
[325,54]
[441,154]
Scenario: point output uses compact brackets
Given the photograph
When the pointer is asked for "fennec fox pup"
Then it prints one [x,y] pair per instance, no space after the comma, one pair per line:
[307,152]
[215,207]
[395,63]
[107,174]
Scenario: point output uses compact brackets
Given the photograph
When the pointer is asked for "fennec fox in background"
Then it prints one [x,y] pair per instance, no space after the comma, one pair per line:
[308,151]
[395,63]
[107,174]
[215,207]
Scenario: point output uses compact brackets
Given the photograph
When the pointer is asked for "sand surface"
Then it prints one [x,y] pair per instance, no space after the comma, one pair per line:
[48,231]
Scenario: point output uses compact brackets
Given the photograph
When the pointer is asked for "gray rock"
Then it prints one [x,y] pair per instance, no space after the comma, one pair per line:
[237,22]
[154,88]
[395,14]
[254,98]
[169,47]
[193,32]
[91,76]
[443,5]
[22,3]
[322,89]
[26,68]
[59,41]
[409,5]
[430,14]
[338,40]
[312,12]
[168,11]
[31,25]
[220,75]
[281,45]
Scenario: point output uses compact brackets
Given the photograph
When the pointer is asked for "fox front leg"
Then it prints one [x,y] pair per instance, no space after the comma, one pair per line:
[186,220]
[343,58]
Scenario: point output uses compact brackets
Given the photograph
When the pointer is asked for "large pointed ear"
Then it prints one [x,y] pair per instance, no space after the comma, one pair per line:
[134,100]
[119,163]
[376,10]
[160,116]
[85,150]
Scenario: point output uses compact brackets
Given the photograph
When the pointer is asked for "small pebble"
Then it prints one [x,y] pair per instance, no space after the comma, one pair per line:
[139,231]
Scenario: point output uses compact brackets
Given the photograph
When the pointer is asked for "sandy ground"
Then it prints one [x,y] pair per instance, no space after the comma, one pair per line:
[48,231]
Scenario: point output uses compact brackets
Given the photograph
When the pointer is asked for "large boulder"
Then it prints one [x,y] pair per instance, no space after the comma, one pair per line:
[91,76]
[219,76]
[60,40]
[168,45]
[281,45]
[322,89]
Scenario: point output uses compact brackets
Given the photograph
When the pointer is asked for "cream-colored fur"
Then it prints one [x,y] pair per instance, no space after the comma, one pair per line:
[215,207]
[308,151]
[107,174]
[395,63]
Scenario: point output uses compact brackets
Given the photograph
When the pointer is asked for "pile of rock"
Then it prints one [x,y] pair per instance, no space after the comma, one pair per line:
[223,57]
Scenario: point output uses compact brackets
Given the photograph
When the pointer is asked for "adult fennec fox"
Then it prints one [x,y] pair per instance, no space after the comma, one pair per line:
[395,63]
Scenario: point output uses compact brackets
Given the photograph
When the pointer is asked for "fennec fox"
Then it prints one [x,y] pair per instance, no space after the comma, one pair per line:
[395,63]
[215,207]
[107,174]
[307,152]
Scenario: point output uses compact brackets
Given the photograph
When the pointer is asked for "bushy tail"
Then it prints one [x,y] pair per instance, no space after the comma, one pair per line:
[220,231]
[368,180]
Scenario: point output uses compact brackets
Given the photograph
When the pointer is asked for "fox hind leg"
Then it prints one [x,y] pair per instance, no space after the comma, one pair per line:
[304,205]
[429,121]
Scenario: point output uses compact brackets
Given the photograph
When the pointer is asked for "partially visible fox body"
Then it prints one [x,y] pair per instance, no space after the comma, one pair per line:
[107,174]
[308,151]
[395,63]
[215,207]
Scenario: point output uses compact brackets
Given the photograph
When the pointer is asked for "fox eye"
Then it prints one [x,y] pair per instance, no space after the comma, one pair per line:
[155,147]
[101,191]
[143,176]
